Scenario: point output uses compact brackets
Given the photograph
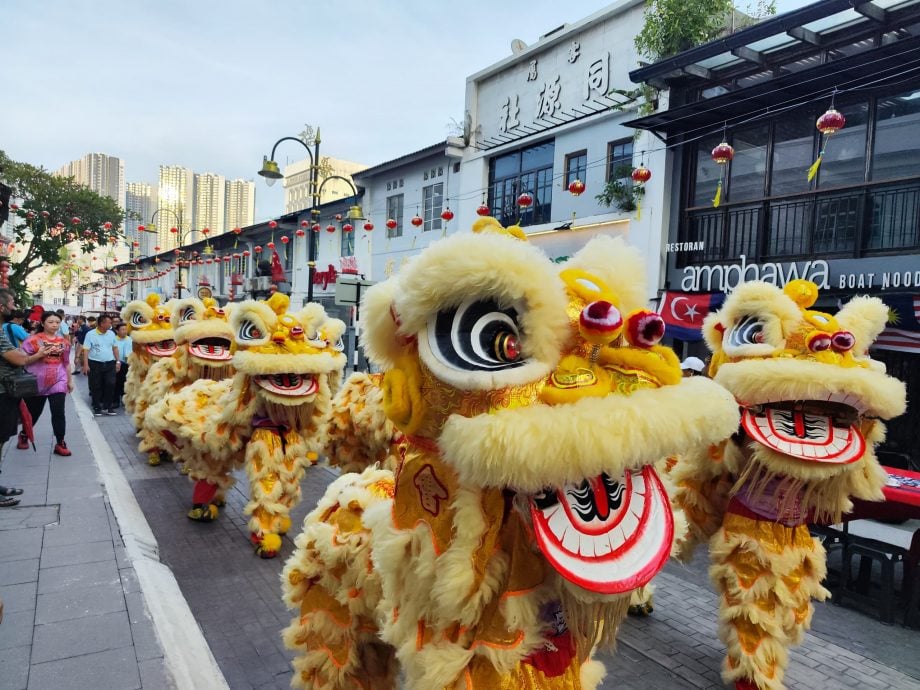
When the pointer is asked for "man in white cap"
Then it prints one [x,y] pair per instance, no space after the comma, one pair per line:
[692,366]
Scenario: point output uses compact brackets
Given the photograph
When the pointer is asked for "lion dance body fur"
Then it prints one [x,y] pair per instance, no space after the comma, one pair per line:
[152,336]
[531,406]
[811,400]
[270,416]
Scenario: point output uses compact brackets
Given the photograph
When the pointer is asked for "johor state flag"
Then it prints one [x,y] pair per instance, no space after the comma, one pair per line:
[903,331]
[683,313]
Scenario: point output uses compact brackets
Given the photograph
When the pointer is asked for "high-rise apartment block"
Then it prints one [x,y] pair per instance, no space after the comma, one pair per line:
[175,205]
[297,182]
[210,204]
[102,173]
[240,204]
[140,203]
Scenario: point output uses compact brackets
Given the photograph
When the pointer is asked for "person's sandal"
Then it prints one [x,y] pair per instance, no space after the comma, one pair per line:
[8,502]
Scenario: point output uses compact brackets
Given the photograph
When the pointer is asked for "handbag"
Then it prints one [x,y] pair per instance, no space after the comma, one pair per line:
[22,385]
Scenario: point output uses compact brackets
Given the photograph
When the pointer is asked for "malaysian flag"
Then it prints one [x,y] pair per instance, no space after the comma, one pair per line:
[903,331]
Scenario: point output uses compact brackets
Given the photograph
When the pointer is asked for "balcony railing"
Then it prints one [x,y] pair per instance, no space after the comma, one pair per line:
[855,222]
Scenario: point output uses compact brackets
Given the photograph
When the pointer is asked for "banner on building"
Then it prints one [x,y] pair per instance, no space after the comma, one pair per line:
[903,331]
[683,313]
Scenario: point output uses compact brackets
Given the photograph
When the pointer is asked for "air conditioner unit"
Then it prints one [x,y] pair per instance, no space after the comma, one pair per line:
[258,284]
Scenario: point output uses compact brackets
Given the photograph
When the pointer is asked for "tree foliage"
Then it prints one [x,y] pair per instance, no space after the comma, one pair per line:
[54,217]
[672,26]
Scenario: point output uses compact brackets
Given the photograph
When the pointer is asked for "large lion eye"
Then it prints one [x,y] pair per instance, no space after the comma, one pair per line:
[138,320]
[748,331]
[249,332]
[188,314]
[477,336]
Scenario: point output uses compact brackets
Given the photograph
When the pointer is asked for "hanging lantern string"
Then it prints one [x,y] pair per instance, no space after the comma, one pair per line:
[829,123]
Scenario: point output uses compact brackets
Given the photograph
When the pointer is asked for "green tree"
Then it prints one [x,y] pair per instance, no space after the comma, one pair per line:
[672,26]
[52,217]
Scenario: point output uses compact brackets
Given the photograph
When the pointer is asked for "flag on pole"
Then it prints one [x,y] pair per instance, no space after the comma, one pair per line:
[903,331]
[683,313]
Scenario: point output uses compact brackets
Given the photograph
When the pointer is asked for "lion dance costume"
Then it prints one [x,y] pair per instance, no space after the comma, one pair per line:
[270,416]
[152,337]
[525,506]
[811,400]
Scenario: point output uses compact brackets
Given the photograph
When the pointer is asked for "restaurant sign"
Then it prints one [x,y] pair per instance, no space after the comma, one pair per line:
[876,274]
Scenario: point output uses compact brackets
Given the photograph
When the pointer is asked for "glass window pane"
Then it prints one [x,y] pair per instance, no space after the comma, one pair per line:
[707,171]
[506,165]
[539,156]
[896,150]
[749,167]
[845,151]
[793,152]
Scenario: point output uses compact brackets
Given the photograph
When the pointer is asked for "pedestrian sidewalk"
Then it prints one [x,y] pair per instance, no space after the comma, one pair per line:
[87,602]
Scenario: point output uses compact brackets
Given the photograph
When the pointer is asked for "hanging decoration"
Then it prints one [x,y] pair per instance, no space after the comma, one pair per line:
[368,226]
[236,231]
[640,176]
[391,224]
[483,210]
[284,240]
[525,200]
[722,155]
[316,227]
[829,123]
[576,187]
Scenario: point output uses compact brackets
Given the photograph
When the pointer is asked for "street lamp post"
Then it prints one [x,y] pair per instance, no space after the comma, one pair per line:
[271,172]
[181,237]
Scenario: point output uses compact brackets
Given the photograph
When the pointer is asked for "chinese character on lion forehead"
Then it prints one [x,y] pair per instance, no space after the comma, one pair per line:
[811,403]
[525,508]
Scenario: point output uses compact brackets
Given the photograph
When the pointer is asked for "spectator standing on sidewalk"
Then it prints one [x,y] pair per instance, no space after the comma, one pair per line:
[54,378]
[101,362]
[123,343]
[65,324]
[85,327]
[12,359]
[14,329]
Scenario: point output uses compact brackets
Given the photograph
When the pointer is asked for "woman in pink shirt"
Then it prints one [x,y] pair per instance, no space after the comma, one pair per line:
[53,374]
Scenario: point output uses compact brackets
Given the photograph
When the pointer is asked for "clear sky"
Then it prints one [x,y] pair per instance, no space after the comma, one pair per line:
[212,84]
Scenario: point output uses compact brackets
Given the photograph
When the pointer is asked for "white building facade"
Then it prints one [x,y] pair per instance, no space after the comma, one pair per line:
[175,204]
[210,204]
[140,203]
[297,196]
[100,172]
[240,208]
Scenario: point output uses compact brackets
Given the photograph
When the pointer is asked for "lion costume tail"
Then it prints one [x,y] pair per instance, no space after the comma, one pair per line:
[767,574]
[330,580]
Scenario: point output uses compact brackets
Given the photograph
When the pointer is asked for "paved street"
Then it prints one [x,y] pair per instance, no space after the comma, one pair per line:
[75,615]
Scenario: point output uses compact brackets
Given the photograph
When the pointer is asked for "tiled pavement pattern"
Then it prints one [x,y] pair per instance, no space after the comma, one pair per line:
[74,616]
[235,597]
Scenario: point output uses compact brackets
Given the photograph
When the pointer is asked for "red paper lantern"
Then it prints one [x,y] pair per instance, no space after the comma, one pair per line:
[257,249]
[209,261]
[831,121]
[205,231]
[136,244]
[273,224]
[142,228]
[270,245]
[338,217]
[391,223]
[368,226]
[447,215]
[330,228]
[304,224]
[285,239]
[174,231]
[576,187]
[226,259]
[316,227]
[30,215]
[417,221]
[723,153]
[299,232]
[237,231]
[14,207]
[348,227]
[45,214]
[483,210]
[641,175]
[236,255]
[245,252]
[156,249]
[75,221]
[107,225]
[525,200]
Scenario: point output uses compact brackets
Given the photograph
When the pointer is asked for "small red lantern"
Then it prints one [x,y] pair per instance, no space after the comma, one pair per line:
[723,153]
[417,221]
[483,210]
[285,239]
[348,227]
[273,224]
[245,252]
[447,215]
[75,221]
[525,200]
[257,249]
[641,175]
[205,231]
[316,227]
[107,225]
[236,255]
[270,245]
[156,249]
[142,228]
[338,217]
[237,231]
[30,215]
[391,223]
[14,207]
[299,232]
[209,261]
[832,121]
[304,224]
[576,187]
[368,226]
[174,230]
[45,214]
[227,259]
[330,228]
[136,244]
